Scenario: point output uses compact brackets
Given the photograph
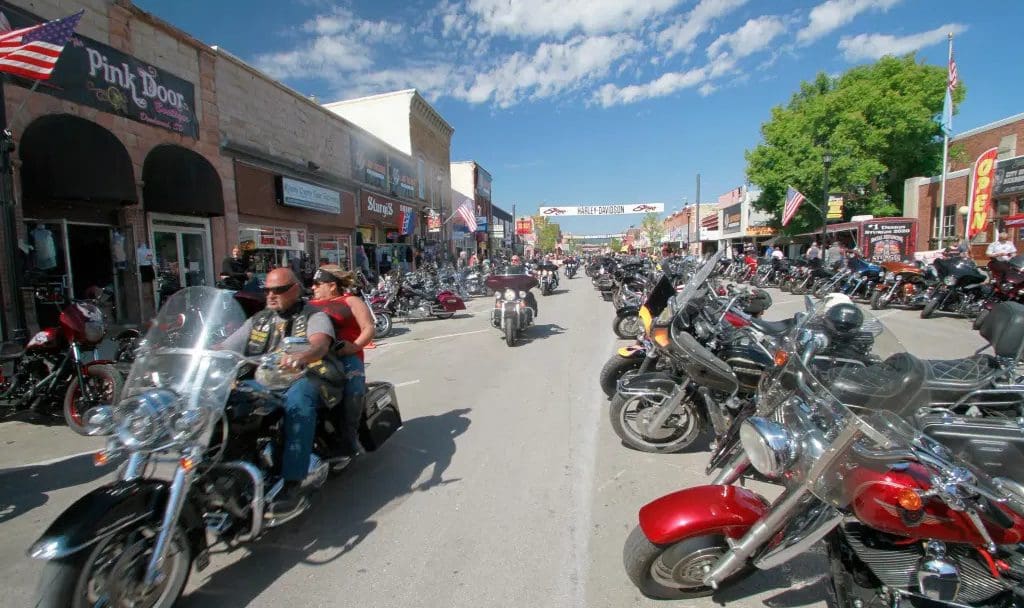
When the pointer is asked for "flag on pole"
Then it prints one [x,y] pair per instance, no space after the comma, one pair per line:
[467,213]
[793,200]
[952,80]
[32,52]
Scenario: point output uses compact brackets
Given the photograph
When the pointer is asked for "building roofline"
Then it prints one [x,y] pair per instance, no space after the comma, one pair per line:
[342,102]
[989,126]
[417,104]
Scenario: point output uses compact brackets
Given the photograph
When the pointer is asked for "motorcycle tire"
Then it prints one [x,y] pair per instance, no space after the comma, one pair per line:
[980,319]
[626,327]
[64,582]
[108,376]
[877,303]
[642,558]
[678,441]
[382,328]
[929,308]
[615,369]
[510,334]
[444,315]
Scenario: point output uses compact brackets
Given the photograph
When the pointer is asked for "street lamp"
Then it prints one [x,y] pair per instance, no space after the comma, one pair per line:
[826,159]
[963,210]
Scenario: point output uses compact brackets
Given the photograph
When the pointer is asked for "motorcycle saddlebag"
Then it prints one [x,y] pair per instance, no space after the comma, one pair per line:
[996,445]
[381,417]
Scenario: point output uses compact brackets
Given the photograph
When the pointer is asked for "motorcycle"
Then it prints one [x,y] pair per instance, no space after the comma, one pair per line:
[572,265]
[902,517]
[1007,285]
[50,374]
[548,278]
[511,313]
[959,290]
[900,283]
[413,301]
[134,541]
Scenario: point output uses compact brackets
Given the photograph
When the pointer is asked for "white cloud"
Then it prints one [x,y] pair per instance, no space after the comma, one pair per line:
[706,89]
[537,18]
[873,46]
[666,84]
[753,36]
[553,68]
[834,14]
[343,21]
[682,35]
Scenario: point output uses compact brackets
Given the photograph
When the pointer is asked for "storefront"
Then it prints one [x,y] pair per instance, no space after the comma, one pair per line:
[387,230]
[285,221]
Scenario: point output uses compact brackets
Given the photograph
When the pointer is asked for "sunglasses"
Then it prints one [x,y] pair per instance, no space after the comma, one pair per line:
[278,290]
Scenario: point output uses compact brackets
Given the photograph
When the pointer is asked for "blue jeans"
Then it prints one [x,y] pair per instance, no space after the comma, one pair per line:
[352,404]
[300,401]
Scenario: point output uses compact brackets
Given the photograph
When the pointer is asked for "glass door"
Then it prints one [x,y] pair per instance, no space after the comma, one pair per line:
[181,246]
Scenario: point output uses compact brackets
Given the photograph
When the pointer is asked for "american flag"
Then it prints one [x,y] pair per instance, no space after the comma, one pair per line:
[32,52]
[954,79]
[793,200]
[466,211]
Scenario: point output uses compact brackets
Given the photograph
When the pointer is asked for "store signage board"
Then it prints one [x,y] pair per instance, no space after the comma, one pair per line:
[624,209]
[295,193]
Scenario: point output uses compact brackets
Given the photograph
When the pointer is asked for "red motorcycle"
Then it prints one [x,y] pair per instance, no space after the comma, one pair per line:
[50,374]
[1007,284]
[902,517]
[413,297]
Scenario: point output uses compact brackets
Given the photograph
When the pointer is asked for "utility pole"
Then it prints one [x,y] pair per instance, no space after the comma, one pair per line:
[700,249]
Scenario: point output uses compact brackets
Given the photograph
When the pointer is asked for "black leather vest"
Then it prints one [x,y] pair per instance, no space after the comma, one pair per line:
[268,331]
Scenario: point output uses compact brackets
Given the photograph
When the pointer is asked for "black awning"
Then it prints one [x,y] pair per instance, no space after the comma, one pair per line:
[178,180]
[67,158]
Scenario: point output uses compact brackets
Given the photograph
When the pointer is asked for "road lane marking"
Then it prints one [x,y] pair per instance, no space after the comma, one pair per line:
[461,333]
[409,383]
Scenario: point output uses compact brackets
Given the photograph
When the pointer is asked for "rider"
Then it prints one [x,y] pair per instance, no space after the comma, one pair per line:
[516,267]
[353,328]
[286,315]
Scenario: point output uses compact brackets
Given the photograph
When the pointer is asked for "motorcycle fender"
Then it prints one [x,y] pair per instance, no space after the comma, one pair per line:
[658,383]
[701,510]
[632,352]
[628,311]
[450,302]
[109,509]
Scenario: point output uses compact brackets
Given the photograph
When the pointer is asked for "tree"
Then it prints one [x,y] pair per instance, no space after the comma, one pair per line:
[882,124]
[547,233]
[653,228]
[615,244]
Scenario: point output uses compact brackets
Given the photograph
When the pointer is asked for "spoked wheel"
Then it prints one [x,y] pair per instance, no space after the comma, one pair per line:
[675,571]
[382,327]
[103,382]
[879,301]
[626,327]
[631,417]
[111,574]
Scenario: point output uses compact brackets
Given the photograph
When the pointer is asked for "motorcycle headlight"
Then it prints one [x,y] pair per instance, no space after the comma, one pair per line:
[768,445]
[188,423]
[950,281]
[497,295]
[143,419]
[510,294]
[522,294]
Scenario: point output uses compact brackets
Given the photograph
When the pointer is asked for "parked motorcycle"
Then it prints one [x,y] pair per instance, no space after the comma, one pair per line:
[413,300]
[511,313]
[133,542]
[902,516]
[960,288]
[50,374]
[1007,285]
[900,283]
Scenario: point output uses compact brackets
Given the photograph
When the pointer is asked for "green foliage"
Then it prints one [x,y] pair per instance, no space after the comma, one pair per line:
[614,244]
[653,228]
[547,233]
[882,125]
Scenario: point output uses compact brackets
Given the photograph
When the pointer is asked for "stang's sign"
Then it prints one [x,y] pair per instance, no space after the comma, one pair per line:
[604,209]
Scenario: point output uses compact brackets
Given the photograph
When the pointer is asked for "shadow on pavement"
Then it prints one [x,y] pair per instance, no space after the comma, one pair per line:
[801,582]
[395,332]
[342,514]
[541,332]
[24,488]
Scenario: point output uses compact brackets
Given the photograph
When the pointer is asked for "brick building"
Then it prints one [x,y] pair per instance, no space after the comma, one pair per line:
[471,181]
[922,194]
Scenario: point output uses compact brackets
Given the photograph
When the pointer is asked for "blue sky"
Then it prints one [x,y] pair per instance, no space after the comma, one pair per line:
[606,101]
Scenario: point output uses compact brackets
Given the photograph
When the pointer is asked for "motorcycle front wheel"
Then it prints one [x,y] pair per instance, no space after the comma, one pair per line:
[675,571]
[931,306]
[383,325]
[109,574]
[629,416]
[615,369]
[626,327]
[879,301]
[510,334]
[105,383]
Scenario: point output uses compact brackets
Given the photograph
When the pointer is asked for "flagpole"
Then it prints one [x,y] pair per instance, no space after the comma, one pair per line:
[945,149]
[16,318]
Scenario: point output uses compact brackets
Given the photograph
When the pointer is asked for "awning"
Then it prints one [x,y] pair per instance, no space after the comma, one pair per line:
[1014,221]
[178,180]
[67,158]
[834,228]
[710,222]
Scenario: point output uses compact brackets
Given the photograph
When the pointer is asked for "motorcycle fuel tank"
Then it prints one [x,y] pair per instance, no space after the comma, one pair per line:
[748,363]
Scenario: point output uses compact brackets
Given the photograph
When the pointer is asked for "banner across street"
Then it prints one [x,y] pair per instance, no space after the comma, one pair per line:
[623,209]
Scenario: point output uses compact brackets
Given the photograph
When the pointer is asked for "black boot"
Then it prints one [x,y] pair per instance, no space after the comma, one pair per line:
[288,502]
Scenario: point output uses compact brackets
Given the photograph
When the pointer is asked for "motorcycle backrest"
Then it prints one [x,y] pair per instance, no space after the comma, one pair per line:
[1004,329]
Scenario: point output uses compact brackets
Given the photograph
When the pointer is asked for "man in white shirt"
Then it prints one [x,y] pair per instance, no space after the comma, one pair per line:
[813,252]
[1002,249]
[777,254]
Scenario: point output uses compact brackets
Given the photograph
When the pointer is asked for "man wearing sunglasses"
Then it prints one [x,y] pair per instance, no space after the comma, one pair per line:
[286,315]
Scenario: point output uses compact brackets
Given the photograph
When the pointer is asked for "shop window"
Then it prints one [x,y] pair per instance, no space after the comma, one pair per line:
[421,176]
[334,249]
[949,222]
[269,247]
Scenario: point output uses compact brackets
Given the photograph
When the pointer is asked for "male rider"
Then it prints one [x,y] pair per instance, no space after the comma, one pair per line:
[286,315]
[516,267]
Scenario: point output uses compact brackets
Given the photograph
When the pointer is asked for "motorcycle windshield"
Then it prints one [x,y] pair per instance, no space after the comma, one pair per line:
[841,417]
[180,354]
[697,280]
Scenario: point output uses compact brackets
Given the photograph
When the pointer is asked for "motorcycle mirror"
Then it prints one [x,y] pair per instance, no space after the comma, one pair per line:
[808,303]
[99,421]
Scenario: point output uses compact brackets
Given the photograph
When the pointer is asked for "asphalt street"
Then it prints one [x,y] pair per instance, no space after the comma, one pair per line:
[506,486]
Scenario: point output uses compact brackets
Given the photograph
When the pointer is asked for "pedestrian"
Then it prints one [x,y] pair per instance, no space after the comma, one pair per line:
[1002,249]
[768,251]
[833,254]
[813,252]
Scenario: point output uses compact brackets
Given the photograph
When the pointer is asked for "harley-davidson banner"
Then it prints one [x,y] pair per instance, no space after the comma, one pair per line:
[624,209]
[981,191]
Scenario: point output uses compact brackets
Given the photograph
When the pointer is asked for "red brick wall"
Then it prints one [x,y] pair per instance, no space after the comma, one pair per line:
[974,145]
[956,194]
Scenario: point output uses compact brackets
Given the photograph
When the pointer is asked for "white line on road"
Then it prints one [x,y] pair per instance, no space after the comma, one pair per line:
[409,383]
[462,333]
[47,462]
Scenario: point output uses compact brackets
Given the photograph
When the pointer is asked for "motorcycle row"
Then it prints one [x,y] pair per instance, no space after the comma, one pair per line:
[952,283]
[908,470]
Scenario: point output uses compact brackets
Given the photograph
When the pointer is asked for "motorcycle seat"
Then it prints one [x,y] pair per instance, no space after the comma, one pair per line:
[889,385]
[773,328]
[961,374]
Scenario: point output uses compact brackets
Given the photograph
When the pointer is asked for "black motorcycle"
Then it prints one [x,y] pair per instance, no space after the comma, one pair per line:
[960,289]
[134,541]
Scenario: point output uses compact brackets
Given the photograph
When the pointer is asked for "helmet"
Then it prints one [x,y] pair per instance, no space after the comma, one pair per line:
[843,319]
[756,302]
